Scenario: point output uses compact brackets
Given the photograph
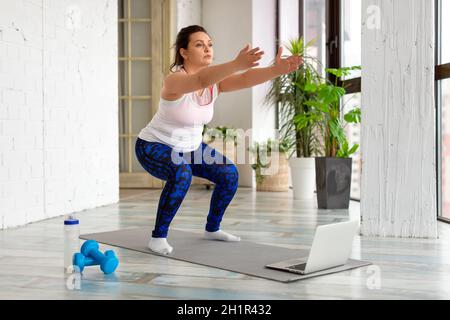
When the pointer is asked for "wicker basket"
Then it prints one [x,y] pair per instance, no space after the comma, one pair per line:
[278,182]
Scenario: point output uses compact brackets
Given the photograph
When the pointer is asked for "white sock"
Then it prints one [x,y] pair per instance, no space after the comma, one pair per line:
[160,245]
[221,235]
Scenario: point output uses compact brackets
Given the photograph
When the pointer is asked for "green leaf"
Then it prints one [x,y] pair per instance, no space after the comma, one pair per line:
[345,146]
[318,105]
[310,87]
[340,154]
[330,94]
[337,131]
[353,149]
[335,72]
[306,120]
[339,91]
[354,116]
[311,42]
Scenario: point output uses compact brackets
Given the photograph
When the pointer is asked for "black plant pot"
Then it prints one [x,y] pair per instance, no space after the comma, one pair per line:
[333,182]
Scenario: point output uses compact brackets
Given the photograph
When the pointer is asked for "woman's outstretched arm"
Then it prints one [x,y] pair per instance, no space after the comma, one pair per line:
[281,66]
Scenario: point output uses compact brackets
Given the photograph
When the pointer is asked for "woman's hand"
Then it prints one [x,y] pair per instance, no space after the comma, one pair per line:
[248,58]
[288,65]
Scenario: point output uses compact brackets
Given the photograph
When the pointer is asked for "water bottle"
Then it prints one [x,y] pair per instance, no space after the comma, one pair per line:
[71,241]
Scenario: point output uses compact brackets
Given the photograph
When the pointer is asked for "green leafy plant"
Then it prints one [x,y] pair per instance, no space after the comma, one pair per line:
[290,93]
[325,112]
[310,107]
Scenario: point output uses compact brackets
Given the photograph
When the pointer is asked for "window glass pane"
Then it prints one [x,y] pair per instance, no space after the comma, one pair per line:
[289,22]
[314,29]
[141,113]
[135,165]
[351,35]
[121,9]
[445,175]
[140,9]
[124,119]
[140,39]
[123,151]
[140,76]
[445,33]
[352,132]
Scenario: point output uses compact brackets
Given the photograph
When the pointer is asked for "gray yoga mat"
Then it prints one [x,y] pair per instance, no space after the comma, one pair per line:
[242,257]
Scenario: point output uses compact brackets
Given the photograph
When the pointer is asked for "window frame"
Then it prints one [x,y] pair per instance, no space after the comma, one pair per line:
[442,72]
[334,38]
[278,42]
[442,69]
[333,43]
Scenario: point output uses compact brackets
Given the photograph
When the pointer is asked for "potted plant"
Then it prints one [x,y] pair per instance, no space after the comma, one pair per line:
[271,176]
[289,92]
[334,169]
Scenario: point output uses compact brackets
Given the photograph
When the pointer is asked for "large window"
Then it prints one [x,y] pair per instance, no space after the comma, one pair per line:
[334,26]
[445,138]
[351,35]
[289,26]
[353,133]
[344,50]
[315,28]
[443,107]
[445,31]
[350,44]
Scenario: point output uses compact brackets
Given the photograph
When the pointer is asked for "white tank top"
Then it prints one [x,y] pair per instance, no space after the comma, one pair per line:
[179,123]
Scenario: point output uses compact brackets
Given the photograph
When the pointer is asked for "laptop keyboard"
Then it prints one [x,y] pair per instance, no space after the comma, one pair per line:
[298,266]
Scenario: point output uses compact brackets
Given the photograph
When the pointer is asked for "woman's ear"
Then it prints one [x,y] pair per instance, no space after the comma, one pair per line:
[182,53]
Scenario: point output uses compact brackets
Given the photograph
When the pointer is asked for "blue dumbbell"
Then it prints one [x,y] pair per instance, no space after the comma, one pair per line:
[108,263]
[82,261]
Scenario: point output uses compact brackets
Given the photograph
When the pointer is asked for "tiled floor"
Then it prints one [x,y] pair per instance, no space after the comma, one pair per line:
[31,257]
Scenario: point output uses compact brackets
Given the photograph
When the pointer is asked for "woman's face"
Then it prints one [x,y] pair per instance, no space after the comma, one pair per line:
[200,50]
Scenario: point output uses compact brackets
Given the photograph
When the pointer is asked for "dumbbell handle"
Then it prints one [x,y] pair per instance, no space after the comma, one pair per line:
[97,255]
[88,261]
[81,261]
[108,261]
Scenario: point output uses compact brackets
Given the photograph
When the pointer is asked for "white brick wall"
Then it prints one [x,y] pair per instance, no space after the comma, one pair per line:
[58,108]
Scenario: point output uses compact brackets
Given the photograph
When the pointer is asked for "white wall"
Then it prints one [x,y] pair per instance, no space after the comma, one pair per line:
[58,108]
[189,12]
[232,24]
[263,36]
[398,196]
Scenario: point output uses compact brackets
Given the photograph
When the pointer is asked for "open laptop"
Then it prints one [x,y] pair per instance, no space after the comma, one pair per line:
[331,247]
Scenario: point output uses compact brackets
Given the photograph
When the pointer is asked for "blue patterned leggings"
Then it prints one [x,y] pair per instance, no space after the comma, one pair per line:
[177,169]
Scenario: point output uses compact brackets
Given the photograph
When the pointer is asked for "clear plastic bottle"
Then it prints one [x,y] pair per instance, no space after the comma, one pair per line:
[71,241]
